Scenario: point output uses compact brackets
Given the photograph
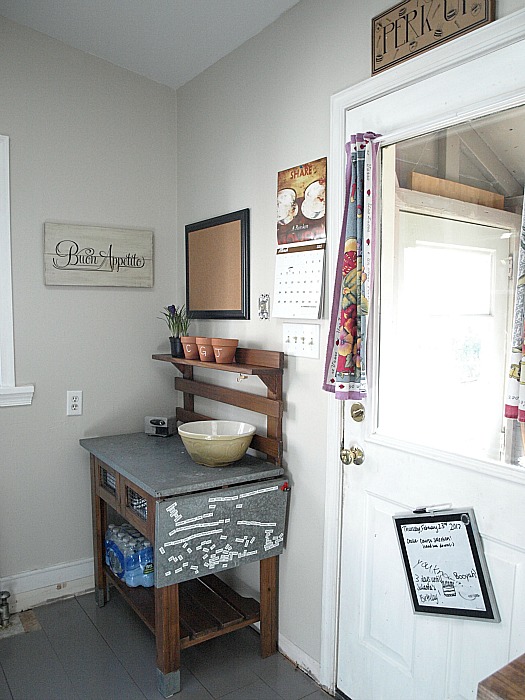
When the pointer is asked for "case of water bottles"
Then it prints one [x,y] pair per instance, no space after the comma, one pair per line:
[129,555]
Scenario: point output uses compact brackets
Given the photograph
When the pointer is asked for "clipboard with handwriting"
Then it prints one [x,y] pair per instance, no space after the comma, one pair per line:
[445,564]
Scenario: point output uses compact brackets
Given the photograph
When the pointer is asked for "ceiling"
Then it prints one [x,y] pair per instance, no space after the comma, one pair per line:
[169,41]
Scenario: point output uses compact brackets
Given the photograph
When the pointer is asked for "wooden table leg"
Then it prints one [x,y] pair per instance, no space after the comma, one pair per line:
[269,605]
[167,637]
[99,517]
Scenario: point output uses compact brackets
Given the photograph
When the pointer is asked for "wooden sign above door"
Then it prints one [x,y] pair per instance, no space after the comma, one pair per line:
[414,26]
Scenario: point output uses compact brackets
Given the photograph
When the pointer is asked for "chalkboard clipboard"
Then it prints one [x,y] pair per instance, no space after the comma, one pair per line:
[445,564]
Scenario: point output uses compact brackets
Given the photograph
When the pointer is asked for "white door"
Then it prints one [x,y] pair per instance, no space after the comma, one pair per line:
[421,445]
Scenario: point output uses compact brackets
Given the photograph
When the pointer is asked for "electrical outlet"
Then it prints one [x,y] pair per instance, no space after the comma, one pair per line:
[74,403]
[301,339]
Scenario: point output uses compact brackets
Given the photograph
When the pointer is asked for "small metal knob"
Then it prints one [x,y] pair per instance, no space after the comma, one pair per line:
[352,455]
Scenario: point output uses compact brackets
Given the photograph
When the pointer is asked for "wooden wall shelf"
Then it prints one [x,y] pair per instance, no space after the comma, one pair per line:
[266,364]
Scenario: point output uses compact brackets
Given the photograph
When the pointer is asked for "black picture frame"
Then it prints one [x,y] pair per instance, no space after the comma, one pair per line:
[218,267]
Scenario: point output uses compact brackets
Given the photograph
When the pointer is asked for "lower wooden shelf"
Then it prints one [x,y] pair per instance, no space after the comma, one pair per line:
[208,608]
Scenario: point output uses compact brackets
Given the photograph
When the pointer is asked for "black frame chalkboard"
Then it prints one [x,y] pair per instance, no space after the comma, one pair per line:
[445,565]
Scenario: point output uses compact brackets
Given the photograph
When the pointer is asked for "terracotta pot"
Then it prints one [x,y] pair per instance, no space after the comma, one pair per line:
[205,349]
[189,345]
[224,350]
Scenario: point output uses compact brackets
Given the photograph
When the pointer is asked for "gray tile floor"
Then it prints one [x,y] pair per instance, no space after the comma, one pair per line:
[83,652]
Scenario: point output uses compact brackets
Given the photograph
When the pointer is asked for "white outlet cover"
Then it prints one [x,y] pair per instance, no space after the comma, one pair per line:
[74,402]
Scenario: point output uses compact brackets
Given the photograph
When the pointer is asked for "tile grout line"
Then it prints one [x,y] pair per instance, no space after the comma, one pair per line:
[6,681]
[103,637]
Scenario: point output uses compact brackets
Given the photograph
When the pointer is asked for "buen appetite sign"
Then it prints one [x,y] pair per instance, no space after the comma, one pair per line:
[415,26]
[96,256]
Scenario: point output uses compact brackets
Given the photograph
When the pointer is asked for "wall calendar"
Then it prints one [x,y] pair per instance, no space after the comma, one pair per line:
[299,274]
[301,241]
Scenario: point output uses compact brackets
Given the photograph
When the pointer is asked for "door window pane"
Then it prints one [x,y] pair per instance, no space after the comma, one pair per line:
[446,304]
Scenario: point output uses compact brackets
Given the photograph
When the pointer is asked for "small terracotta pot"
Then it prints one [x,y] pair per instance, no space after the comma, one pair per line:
[189,345]
[205,349]
[224,350]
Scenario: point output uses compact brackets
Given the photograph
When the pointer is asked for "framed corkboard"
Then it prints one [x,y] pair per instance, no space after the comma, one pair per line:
[218,267]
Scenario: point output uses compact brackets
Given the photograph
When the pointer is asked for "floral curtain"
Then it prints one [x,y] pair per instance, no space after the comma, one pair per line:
[515,394]
[345,366]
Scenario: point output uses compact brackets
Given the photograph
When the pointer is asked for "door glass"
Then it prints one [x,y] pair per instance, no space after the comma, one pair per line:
[447,289]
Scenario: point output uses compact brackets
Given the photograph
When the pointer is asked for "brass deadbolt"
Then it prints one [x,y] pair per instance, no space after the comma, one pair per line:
[357,411]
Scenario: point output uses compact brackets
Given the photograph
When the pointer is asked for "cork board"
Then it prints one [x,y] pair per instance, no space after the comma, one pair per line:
[217,267]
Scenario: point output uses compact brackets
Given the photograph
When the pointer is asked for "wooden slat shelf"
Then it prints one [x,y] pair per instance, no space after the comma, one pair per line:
[141,599]
[208,607]
[243,363]
[233,397]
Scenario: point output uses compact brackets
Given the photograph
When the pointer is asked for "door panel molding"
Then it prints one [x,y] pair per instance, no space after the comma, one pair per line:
[398,652]
[505,472]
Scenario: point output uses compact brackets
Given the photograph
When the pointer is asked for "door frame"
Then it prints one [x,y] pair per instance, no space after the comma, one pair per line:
[501,89]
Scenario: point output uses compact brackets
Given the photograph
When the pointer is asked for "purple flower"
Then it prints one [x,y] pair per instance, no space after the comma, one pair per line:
[172,310]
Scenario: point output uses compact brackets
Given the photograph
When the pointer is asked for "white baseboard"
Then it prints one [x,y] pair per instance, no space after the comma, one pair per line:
[32,588]
[298,656]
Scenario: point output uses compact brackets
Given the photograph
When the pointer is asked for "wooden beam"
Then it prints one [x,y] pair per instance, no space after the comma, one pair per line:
[455,190]
[250,402]
[485,158]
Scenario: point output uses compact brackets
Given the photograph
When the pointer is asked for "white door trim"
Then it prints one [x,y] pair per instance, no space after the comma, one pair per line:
[487,40]
[10,394]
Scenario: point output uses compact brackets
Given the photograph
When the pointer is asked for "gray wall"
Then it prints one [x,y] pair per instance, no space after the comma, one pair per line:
[91,143]
[262,109]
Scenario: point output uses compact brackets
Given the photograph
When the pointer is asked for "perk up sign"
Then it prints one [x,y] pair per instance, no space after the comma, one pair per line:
[412,27]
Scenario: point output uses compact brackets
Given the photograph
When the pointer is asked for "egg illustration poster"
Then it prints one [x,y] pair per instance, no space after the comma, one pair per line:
[301,203]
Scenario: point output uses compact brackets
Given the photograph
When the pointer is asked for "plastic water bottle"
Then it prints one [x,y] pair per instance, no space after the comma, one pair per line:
[108,538]
[133,574]
[146,564]
[111,544]
[116,557]
[128,551]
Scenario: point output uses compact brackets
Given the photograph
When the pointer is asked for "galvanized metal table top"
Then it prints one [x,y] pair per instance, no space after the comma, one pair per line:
[162,467]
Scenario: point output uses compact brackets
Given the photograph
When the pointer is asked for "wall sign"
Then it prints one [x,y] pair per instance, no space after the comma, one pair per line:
[97,257]
[415,26]
[445,565]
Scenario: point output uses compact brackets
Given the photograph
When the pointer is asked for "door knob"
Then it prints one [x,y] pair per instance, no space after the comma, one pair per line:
[352,455]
